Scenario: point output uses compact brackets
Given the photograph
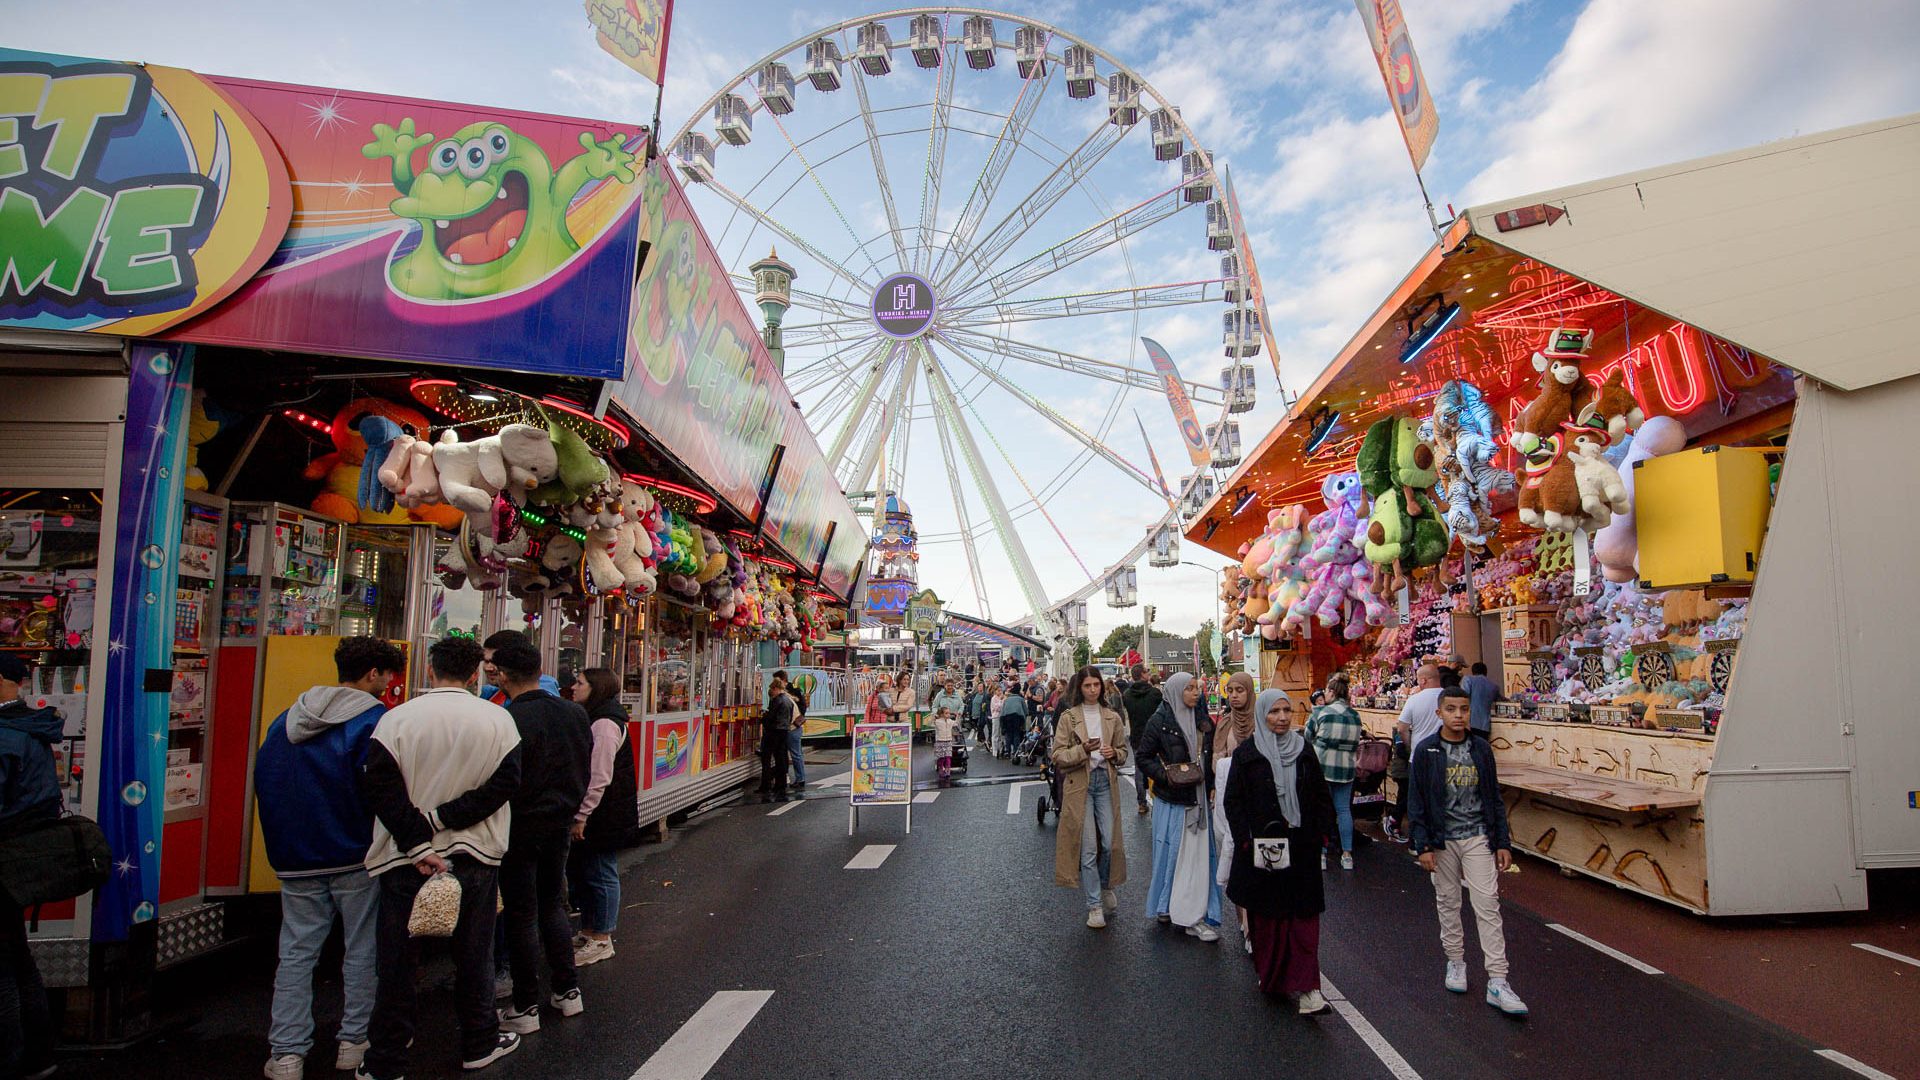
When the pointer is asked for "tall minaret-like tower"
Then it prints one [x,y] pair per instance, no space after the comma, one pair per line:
[773,291]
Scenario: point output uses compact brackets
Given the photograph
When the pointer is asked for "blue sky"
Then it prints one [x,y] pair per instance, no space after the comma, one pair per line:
[1531,94]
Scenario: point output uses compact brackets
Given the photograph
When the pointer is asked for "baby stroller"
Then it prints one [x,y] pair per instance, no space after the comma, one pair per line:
[1032,749]
[1050,798]
[957,759]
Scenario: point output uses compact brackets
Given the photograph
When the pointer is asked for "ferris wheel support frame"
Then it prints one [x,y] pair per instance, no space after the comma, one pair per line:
[897,404]
[960,512]
[881,360]
[1023,571]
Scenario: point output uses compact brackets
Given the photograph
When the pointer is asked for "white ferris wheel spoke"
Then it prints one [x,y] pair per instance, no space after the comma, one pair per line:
[1071,429]
[827,368]
[1012,132]
[878,361]
[1071,169]
[959,493]
[1023,571]
[861,479]
[937,124]
[829,264]
[880,167]
[1100,302]
[1138,378]
[835,332]
[1090,241]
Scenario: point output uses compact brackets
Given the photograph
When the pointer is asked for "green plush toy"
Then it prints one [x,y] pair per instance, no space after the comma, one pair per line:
[581,470]
[1405,530]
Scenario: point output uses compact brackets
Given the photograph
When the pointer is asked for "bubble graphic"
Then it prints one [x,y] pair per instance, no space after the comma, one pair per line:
[143,912]
[162,363]
[152,557]
[134,793]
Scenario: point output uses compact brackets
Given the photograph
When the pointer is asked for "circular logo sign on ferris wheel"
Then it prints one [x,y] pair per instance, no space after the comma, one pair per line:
[903,306]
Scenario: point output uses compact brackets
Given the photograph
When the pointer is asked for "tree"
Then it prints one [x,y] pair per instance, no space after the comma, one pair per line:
[1120,639]
[1203,644]
[1082,652]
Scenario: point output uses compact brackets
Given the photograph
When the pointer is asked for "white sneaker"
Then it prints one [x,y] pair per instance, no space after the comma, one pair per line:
[1096,919]
[569,1003]
[1203,932]
[506,1044]
[1502,997]
[592,951]
[1346,860]
[1311,1002]
[1457,976]
[350,1055]
[1323,860]
[1109,902]
[520,1021]
[285,1067]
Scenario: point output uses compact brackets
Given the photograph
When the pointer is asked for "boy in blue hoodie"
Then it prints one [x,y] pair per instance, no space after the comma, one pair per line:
[29,794]
[317,831]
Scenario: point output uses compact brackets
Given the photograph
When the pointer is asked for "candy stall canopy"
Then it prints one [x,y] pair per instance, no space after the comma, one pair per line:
[1742,295]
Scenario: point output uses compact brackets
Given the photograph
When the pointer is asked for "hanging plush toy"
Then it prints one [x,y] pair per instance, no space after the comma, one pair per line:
[1340,582]
[1404,531]
[1618,545]
[1549,490]
[1285,579]
[200,428]
[1466,433]
[346,469]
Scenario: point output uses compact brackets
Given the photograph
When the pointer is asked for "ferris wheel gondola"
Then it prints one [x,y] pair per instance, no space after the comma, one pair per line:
[933,293]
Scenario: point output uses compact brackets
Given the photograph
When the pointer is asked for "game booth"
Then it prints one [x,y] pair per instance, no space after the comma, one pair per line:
[1626,443]
[337,364]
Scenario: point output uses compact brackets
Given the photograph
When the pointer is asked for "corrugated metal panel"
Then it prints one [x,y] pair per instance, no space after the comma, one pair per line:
[1801,250]
[58,455]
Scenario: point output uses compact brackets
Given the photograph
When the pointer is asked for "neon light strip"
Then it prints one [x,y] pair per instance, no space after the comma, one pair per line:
[701,499]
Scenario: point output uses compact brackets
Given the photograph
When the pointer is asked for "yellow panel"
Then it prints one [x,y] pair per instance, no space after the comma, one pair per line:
[1702,514]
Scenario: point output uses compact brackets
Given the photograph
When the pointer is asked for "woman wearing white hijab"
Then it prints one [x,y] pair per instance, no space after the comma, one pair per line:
[1280,812]
[1176,752]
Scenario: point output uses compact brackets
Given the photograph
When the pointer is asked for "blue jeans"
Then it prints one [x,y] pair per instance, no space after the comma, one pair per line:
[797,753]
[1343,812]
[307,908]
[1096,838]
[596,883]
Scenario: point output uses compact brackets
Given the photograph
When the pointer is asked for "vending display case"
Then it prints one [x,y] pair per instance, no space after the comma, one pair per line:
[196,611]
[676,661]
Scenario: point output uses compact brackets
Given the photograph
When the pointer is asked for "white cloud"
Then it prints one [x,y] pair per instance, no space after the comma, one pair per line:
[1641,83]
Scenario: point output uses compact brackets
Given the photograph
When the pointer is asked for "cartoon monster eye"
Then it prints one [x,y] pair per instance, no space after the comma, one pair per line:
[497,144]
[473,159]
[445,157]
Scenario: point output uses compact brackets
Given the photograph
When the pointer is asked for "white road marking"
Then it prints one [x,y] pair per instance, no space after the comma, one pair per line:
[837,778]
[1608,949]
[784,807]
[926,796]
[1888,953]
[1396,1065]
[870,857]
[1013,793]
[1860,1067]
[692,1051]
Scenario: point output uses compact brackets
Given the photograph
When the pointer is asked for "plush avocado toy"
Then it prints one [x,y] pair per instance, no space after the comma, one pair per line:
[1405,530]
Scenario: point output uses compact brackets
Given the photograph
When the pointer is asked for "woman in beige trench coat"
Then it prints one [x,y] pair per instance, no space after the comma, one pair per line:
[1089,746]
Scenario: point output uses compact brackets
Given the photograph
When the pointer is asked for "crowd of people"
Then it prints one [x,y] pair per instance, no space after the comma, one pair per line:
[1247,806]
[517,790]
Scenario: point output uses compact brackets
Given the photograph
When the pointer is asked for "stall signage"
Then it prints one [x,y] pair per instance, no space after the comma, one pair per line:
[131,197]
[923,612]
[882,764]
[443,234]
[698,376]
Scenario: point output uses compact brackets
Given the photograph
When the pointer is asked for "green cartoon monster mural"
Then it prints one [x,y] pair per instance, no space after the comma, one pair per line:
[491,208]
[670,289]
[1405,531]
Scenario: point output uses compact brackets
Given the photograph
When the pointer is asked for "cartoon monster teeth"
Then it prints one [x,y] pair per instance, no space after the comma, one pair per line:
[479,219]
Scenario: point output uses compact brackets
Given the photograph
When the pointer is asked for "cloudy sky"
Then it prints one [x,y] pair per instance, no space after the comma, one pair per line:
[1531,94]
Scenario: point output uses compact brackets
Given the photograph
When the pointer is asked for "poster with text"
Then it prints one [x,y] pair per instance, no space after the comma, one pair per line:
[882,764]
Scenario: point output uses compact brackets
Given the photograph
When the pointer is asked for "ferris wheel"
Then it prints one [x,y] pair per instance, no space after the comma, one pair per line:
[956,242]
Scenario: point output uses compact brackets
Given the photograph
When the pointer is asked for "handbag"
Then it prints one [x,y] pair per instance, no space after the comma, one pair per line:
[1372,756]
[56,859]
[1184,773]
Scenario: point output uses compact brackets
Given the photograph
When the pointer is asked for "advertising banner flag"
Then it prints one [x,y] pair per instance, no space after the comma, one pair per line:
[634,32]
[1190,431]
[1159,477]
[882,764]
[136,196]
[1256,293]
[1400,69]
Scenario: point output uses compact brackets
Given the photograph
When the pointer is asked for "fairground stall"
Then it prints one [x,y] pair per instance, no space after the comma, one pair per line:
[1625,444]
[339,364]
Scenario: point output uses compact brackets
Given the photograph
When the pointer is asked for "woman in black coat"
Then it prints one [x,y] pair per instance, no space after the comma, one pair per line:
[609,816]
[1276,794]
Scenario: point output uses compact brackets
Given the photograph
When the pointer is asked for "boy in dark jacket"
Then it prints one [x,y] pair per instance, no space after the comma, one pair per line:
[556,752]
[29,795]
[1141,699]
[317,831]
[1460,834]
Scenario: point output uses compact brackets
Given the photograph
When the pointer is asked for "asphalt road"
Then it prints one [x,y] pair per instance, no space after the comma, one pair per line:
[958,956]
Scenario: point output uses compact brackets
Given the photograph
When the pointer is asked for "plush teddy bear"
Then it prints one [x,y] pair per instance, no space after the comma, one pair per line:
[1616,407]
[1602,493]
[530,458]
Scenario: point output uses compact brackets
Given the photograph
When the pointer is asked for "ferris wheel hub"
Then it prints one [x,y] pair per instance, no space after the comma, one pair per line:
[904,306]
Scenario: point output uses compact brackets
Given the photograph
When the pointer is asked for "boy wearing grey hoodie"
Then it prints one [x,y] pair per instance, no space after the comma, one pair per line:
[317,831]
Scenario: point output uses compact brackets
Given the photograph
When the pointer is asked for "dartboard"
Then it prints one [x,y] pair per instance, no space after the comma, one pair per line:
[1540,674]
[1721,672]
[1654,669]
[1593,671]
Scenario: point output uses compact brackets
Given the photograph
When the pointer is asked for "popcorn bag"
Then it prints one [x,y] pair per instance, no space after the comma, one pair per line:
[436,908]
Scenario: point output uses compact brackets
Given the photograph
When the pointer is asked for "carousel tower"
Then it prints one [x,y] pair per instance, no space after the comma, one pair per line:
[893,572]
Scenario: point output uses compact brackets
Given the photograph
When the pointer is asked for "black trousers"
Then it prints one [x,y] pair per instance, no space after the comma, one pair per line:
[776,760]
[26,1029]
[396,1003]
[533,890]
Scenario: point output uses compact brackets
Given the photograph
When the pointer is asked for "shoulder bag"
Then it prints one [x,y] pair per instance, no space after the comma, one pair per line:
[56,859]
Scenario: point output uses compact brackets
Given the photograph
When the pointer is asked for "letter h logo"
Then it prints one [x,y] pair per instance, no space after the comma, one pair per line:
[903,296]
